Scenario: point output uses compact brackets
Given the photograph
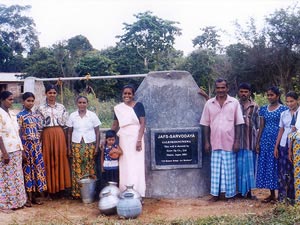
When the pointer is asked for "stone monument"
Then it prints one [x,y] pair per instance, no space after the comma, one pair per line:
[176,164]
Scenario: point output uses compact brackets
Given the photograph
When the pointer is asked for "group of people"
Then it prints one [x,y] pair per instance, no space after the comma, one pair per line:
[251,146]
[38,146]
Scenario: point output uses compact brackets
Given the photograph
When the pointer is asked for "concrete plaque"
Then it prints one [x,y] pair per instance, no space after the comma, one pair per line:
[175,148]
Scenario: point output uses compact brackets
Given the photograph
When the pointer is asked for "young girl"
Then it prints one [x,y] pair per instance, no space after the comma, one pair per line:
[34,170]
[285,167]
[110,153]
[267,169]
[58,175]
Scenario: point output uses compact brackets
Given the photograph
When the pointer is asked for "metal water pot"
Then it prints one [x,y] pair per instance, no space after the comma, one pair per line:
[108,203]
[129,207]
[112,187]
[130,189]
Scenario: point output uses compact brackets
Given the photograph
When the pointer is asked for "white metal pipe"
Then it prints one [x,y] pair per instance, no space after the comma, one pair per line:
[92,77]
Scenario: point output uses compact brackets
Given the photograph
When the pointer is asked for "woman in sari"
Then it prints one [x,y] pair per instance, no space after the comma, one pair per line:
[12,191]
[130,120]
[34,170]
[54,147]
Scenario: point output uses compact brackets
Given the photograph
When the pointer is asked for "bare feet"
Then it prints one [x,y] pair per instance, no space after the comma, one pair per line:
[213,199]
[271,199]
[7,211]
[37,202]
[28,203]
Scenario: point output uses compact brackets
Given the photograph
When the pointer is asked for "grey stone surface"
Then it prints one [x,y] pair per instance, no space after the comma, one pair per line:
[172,101]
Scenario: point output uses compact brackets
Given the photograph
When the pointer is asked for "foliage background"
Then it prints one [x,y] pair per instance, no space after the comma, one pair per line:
[261,56]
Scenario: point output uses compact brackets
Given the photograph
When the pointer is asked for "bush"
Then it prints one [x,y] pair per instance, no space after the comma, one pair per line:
[103,109]
[260,99]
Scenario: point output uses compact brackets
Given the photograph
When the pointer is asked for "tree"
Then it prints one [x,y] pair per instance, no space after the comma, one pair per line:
[250,64]
[64,54]
[199,64]
[17,37]
[209,39]
[252,58]
[18,30]
[151,37]
[284,33]
[126,59]
[96,64]
[6,56]
[78,45]
[42,64]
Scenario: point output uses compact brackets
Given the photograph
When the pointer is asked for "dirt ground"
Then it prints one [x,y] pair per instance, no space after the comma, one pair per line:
[75,212]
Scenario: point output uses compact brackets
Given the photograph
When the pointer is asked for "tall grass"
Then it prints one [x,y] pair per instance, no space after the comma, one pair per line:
[106,113]
[104,109]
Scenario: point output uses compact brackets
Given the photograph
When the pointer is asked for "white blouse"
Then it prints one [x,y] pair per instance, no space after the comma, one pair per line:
[83,127]
[9,131]
[297,125]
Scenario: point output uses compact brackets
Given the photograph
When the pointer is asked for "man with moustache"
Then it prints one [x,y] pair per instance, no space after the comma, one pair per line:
[246,155]
[221,120]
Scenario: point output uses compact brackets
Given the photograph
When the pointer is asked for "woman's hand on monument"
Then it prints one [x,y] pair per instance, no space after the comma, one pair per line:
[203,93]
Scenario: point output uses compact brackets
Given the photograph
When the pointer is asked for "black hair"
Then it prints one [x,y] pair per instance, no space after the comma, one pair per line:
[4,95]
[49,87]
[27,95]
[246,86]
[276,91]
[219,80]
[110,134]
[80,96]
[292,94]
[130,87]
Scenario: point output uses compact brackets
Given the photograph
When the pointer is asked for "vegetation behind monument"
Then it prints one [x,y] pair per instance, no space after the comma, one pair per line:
[262,57]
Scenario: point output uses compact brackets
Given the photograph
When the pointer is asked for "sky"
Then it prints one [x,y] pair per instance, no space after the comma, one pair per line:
[101,20]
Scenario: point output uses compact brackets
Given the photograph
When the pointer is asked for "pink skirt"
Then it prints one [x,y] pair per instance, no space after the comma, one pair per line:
[12,189]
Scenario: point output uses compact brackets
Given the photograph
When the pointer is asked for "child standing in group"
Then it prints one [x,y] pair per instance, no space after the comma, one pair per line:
[287,122]
[34,170]
[110,154]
